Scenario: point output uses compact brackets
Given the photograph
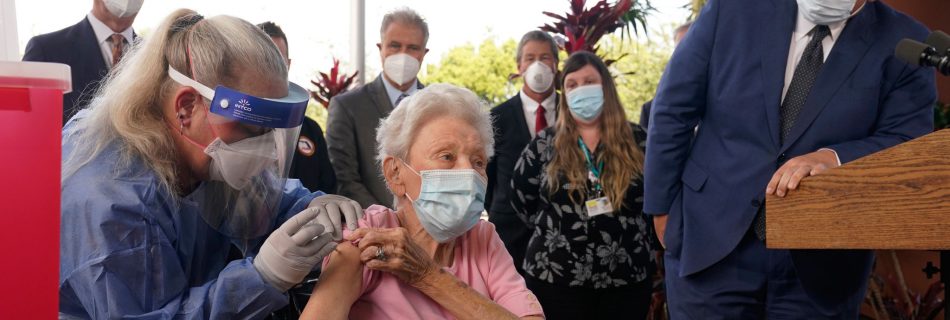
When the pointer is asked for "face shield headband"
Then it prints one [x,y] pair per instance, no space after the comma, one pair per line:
[286,112]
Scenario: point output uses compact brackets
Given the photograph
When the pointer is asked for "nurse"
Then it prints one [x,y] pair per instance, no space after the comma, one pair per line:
[181,158]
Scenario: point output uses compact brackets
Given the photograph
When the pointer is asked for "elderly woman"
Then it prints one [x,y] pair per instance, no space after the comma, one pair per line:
[431,258]
[163,175]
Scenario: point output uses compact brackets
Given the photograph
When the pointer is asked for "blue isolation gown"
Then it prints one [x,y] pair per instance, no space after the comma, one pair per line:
[129,249]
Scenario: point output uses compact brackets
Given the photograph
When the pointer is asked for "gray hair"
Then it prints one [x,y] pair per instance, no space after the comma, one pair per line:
[536,35]
[397,131]
[405,16]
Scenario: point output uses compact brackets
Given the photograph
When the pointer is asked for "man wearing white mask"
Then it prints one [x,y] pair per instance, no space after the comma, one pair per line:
[517,121]
[784,90]
[354,116]
[91,48]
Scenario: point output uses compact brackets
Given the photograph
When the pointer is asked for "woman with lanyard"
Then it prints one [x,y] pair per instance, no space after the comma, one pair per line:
[578,186]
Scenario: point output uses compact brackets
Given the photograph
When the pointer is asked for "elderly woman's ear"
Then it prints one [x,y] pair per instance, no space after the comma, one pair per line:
[391,174]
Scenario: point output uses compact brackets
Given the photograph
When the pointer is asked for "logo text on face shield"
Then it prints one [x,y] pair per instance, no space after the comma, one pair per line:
[243,104]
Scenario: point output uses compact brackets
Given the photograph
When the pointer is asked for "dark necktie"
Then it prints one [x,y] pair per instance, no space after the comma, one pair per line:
[805,74]
[540,122]
[399,99]
[802,80]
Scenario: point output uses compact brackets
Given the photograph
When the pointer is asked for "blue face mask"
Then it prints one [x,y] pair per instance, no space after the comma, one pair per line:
[450,201]
[825,12]
[586,102]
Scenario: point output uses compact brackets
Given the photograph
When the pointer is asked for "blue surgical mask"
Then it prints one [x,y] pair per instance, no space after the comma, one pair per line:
[450,201]
[586,102]
[825,12]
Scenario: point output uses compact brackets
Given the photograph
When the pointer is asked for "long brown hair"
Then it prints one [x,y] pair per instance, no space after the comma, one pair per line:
[622,159]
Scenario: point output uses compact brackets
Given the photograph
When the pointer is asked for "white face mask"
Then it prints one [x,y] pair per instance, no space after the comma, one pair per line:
[239,162]
[401,68]
[825,12]
[123,8]
[539,77]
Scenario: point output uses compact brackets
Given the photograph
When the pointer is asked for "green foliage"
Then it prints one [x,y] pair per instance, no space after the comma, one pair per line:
[318,113]
[638,73]
[941,116]
[484,70]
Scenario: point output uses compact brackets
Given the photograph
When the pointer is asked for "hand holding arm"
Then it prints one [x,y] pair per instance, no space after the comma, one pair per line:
[412,265]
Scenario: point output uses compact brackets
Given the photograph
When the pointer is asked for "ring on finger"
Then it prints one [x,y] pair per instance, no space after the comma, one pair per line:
[380,255]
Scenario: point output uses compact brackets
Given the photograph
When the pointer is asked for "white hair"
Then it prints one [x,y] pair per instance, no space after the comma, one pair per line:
[397,132]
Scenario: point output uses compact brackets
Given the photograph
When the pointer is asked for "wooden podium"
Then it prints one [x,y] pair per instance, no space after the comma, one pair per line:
[898,198]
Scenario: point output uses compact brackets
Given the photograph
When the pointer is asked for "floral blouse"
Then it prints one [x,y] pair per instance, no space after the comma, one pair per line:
[570,248]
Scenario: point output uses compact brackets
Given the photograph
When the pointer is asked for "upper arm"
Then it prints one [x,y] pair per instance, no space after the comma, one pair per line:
[679,105]
[506,287]
[340,284]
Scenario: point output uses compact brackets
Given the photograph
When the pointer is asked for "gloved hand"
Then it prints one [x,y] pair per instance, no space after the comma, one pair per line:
[336,206]
[291,251]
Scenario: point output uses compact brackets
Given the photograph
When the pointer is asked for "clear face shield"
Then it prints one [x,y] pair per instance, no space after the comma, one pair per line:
[250,156]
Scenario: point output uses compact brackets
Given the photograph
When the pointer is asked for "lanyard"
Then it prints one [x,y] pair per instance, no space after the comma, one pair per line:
[595,171]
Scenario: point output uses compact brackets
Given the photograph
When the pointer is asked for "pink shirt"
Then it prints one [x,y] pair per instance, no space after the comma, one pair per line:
[481,261]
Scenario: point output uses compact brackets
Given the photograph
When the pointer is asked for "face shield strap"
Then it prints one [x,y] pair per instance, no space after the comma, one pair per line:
[286,112]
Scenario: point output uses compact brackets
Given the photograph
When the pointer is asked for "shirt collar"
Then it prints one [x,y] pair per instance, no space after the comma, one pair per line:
[530,106]
[103,32]
[803,26]
[394,93]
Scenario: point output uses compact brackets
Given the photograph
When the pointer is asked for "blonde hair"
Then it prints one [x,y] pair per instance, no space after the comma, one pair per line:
[622,159]
[128,108]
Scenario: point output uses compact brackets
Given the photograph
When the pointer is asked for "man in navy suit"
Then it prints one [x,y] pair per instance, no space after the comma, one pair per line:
[784,90]
[516,122]
[90,48]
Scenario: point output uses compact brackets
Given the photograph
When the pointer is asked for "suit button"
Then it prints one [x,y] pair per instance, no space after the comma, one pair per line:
[781,158]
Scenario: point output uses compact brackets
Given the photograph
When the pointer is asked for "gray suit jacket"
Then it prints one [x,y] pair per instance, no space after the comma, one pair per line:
[351,139]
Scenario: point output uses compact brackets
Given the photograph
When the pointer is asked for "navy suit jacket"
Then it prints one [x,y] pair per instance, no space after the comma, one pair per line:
[729,73]
[77,47]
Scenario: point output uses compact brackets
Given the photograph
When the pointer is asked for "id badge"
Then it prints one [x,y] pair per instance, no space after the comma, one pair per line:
[598,206]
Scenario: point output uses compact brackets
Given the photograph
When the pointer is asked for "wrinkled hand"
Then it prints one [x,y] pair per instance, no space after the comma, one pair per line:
[792,172]
[291,251]
[659,225]
[404,258]
[334,207]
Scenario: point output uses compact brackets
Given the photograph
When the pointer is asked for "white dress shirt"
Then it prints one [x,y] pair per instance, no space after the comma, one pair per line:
[531,109]
[103,33]
[394,93]
[800,39]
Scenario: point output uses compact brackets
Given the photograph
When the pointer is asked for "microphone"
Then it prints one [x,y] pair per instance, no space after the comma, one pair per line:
[920,54]
[940,41]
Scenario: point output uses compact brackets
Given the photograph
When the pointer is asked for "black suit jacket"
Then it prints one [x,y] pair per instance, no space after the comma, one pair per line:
[312,161]
[77,47]
[511,137]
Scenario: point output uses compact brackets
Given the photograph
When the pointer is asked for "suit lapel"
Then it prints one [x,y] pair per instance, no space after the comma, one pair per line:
[774,43]
[89,50]
[852,44]
[522,122]
[377,92]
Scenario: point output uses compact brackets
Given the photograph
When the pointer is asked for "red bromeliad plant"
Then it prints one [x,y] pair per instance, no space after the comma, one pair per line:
[331,85]
[584,27]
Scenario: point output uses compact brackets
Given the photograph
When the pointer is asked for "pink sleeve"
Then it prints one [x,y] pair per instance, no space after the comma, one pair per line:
[366,222]
[505,286]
